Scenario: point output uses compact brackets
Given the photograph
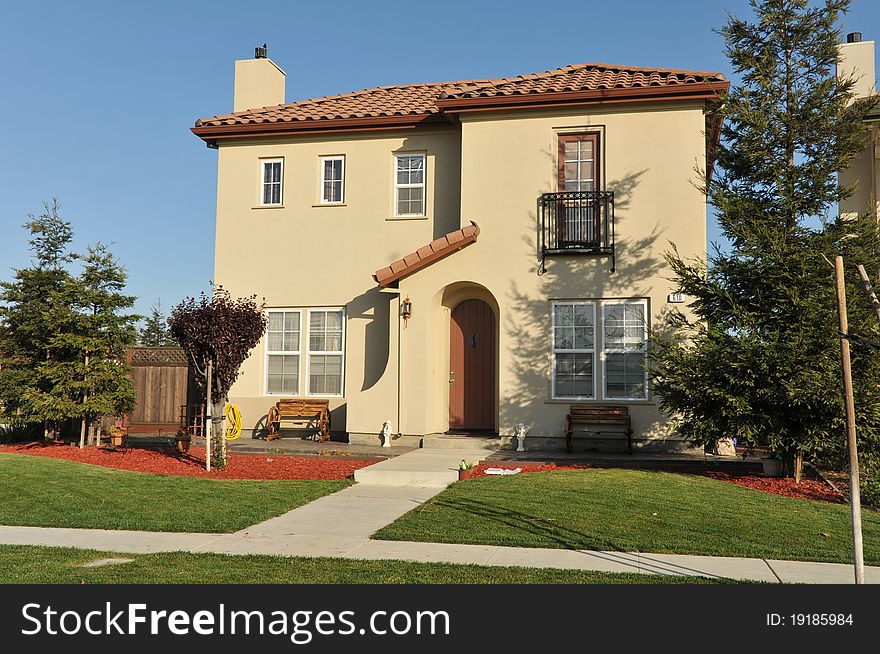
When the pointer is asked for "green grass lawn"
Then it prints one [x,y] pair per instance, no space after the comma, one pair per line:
[636,511]
[21,564]
[44,492]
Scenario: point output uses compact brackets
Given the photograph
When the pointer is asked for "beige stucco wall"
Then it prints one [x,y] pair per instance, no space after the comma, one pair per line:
[864,175]
[304,254]
[258,83]
[490,169]
[649,153]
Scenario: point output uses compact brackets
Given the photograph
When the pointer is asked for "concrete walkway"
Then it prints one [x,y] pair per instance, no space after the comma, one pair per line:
[346,546]
[423,467]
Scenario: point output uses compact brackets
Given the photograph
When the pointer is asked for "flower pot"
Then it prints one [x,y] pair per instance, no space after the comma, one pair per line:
[467,474]
[116,440]
[183,444]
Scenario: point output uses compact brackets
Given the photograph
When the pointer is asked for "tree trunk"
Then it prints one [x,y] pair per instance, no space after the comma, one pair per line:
[217,411]
[793,465]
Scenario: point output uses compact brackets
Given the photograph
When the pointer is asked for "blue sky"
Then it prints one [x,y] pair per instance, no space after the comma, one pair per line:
[98,97]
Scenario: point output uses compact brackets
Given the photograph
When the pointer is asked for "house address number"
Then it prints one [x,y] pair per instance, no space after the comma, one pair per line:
[677,298]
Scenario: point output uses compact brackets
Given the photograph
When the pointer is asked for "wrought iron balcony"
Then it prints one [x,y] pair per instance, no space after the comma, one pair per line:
[576,222]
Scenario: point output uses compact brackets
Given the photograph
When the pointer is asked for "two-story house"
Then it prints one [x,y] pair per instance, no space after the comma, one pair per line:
[461,256]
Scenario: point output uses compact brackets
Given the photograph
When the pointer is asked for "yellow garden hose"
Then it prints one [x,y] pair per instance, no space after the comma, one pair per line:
[233,422]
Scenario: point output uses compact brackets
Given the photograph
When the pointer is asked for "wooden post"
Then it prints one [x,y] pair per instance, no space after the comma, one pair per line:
[209,421]
[83,424]
[854,496]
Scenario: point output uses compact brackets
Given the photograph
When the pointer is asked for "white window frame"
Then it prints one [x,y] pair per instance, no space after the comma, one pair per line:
[554,351]
[423,185]
[321,198]
[263,163]
[308,353]
[298,353]
[603,351]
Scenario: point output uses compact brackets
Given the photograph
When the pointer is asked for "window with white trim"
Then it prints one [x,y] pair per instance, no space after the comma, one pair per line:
[302,343]
[574,350]
[409,184]
[272,171]
[326,337]
[283,339]
[624,342]
[332,179]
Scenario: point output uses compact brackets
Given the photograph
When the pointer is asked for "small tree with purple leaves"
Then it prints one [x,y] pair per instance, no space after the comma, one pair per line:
[221,330]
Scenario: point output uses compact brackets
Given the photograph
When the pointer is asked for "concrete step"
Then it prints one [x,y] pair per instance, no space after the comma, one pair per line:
[464,442]
[424,467]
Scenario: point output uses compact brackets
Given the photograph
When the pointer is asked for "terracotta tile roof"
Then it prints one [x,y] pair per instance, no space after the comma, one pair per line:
[420,100]
[425,256]
[401,100]
[582,77]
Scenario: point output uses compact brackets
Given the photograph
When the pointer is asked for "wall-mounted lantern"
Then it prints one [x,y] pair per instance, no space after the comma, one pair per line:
[406,309]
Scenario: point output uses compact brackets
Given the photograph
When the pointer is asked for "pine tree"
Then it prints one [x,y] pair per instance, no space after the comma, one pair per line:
[33,306]
[107,330]
[758,358]
[155,330]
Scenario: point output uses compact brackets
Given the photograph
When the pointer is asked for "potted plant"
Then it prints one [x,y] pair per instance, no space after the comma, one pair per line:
[117,432]
[466,470]
[183,440]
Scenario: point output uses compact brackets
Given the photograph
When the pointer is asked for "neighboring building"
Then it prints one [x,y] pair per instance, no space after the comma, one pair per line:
[857,60]
[463,255]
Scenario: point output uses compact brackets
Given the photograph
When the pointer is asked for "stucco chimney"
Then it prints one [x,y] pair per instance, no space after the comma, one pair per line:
[857,59]
[259,82]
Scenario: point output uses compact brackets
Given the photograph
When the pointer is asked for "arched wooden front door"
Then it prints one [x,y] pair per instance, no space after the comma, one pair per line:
[472,337]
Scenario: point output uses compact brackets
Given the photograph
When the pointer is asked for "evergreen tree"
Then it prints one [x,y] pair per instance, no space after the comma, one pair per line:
[758,358]
[155,330]
[63,338]
[33,306]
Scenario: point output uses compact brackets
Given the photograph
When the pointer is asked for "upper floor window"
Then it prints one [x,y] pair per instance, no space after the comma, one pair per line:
[578,156]
[272,175]
[409,185]
[332,179]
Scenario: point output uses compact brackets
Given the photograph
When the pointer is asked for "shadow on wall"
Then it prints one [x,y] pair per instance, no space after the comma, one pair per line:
[527,319]
[374,307]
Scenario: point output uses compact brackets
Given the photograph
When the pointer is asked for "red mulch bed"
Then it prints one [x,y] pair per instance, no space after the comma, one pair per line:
[163,461]
[808,489]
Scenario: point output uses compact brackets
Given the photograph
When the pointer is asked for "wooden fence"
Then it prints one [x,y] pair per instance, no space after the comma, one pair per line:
[163,383]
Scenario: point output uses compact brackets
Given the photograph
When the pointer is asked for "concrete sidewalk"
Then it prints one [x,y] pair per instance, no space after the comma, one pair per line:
[269,541]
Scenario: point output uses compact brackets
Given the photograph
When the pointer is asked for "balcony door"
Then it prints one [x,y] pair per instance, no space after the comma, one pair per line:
[578,211]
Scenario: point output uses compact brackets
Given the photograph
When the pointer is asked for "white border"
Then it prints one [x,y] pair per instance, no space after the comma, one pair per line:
[321,160]
[423,185]
[297,353]
[643,349]
[263,162]
[553,304]
[341,353]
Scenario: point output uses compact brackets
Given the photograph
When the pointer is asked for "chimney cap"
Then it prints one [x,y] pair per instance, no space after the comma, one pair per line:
[854,37]
[262,52]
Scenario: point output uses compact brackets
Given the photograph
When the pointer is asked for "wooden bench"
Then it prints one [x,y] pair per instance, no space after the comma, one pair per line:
[315,413]
[598,419]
